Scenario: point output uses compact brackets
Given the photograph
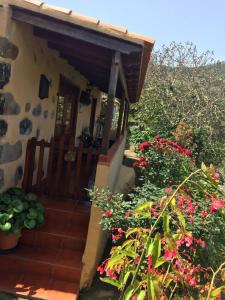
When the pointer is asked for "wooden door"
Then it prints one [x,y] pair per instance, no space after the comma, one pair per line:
[67,107]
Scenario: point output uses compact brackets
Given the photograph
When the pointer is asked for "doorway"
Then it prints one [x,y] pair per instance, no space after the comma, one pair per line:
[67,107]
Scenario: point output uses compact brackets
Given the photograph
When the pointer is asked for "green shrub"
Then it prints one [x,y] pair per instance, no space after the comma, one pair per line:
[19,210]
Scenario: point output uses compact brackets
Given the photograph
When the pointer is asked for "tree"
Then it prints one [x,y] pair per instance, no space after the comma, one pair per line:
[183,85]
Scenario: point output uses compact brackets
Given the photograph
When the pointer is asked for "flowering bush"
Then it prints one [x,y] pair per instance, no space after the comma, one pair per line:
[160,261]
[164,162]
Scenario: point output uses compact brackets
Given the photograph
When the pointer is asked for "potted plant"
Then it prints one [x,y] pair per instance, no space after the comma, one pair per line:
[17,211]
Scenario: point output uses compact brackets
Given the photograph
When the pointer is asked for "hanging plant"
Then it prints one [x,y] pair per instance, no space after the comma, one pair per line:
[85,97]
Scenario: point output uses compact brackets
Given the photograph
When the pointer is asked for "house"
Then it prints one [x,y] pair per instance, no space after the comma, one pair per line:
[55,66]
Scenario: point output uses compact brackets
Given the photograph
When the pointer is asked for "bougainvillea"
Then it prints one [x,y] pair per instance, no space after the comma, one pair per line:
[160,261]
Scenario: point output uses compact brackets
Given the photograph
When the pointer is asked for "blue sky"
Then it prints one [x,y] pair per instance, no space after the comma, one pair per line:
[199,21]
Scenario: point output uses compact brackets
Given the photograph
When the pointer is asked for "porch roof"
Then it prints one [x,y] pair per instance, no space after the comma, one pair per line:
[88,43]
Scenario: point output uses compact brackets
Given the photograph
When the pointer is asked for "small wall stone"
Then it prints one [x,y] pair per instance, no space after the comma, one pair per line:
[37,111]
[26,126]
[18,174]
[10,153]
[8,105]
[1,178]
[7,49]
[5,72]
[3,127]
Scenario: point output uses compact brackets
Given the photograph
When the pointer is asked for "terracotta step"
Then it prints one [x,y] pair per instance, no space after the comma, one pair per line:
[65,223]
[52,240]
[47,263]
[66,205]
[18,277]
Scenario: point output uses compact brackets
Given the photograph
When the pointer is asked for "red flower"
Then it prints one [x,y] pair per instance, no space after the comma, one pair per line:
[108,214]
[216,205]
[187,152]
[168,190]
[120,230]
[144,146]
[100,269]
[149,262]
[170,254]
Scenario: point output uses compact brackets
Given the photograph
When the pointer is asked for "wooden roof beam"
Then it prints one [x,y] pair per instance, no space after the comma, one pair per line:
[74,31]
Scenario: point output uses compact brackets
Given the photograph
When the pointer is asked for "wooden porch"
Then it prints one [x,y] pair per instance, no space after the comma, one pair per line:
[48,261]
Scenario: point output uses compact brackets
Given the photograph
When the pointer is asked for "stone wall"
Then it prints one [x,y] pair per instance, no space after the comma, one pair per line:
[23,58]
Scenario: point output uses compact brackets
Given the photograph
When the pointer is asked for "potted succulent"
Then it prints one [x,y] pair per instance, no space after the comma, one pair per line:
[17,211]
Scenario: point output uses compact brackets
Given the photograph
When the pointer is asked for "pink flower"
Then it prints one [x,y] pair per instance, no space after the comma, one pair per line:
[204,214]
[108,214]
[181,201]
[168,190]
[120,230]
[192,282]
[170,254]
[116,237]
[216,176]
[216,205]
[188,240]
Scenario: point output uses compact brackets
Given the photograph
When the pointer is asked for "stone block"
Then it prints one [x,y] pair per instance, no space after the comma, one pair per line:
[26,126]
[9,153]
[5,72]
[7,49]
[8,105]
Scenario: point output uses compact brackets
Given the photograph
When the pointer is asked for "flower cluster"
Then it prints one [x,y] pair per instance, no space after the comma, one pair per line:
[160,144]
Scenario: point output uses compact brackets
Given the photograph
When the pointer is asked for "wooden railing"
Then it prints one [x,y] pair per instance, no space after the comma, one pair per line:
[58,168]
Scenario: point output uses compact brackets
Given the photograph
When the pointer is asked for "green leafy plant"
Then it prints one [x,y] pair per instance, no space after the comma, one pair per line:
[160,261]
[19,210]
[164,162]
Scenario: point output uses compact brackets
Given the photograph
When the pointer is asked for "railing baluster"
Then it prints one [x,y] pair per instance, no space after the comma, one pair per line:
[78,171]
[40,166]
[69,168]
[50,166]
[58,175]
[88,165]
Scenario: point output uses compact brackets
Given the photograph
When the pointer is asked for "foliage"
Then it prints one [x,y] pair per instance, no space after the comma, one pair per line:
[18,211]
[161,261]
[164,162]
[185,86]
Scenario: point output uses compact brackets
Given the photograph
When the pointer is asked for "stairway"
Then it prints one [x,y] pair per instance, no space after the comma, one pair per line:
[47,263]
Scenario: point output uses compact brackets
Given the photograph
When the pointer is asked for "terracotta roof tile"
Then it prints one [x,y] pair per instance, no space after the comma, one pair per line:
[35,2]
[76,18]
[63,10]
[82,18]
[116,28]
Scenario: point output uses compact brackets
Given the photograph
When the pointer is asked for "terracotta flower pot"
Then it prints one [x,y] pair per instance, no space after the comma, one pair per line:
[9,241]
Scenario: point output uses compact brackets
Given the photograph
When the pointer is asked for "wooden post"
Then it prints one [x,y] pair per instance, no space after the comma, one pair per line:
[121,112]
[92,117]
[125,117]
[114,73]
